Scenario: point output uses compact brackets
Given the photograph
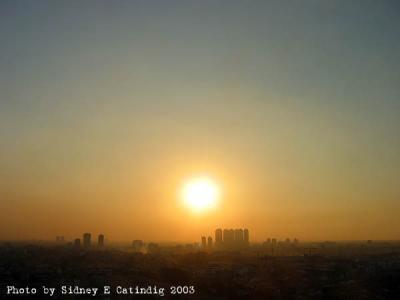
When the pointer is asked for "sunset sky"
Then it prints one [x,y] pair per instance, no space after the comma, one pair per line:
[292,108]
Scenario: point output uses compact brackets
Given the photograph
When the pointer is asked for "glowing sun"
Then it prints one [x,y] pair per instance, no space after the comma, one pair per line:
[200,194]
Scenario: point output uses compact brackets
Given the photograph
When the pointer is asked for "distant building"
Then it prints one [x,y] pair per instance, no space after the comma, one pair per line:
[100,241]
[203,242]
[138,245]
[77,242]
[209,242]
[231,236]
[225,236]
[246,236]
[231,239]
[87,239]
[218,237]
[239,238]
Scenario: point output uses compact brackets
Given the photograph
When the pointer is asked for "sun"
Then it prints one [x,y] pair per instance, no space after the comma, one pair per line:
[200,194]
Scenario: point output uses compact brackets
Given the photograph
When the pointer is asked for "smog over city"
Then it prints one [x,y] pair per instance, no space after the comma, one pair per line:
[199,149]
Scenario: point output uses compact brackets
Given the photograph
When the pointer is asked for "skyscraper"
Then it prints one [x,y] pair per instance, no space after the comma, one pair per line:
[218,237]
[209,242]
[225,236]
[77,242]
[239,236]
[86,239]
[203,242]
[231,239]
[246,236]
[100,241]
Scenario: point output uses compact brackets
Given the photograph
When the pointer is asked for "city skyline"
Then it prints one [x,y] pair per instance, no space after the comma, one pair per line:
[287,111]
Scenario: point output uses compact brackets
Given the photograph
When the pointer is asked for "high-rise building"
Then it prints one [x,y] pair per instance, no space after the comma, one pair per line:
[239,236]
[77,242]
[218,237]
[225,236]
[246,237]
[231,239]
[86,239]
[231,234]
[203,242]
[100,241]
[209,242]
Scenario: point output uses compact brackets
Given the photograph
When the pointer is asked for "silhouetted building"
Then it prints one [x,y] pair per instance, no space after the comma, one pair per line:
[86,239]
[232,239]
[246,236]
[239,236]
[138,245]
[218,237]
[231,236]
[209,242]
[77,242]
[203,242]
[100,241]
[225,236]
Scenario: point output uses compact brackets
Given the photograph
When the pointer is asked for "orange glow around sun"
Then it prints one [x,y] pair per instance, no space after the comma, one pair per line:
[200,194]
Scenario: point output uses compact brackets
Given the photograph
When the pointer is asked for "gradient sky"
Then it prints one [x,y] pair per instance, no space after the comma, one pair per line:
[293,107]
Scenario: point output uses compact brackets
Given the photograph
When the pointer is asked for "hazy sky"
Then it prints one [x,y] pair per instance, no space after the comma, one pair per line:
[293,107]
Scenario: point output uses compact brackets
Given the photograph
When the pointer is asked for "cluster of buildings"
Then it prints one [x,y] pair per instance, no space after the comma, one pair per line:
[286,247]
[86,240]
[273,242]
[227,239]
[140,246]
